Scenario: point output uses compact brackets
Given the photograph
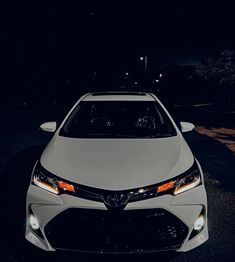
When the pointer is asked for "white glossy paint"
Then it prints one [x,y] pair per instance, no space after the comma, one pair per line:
[48,126]
[118,164]
[186,126]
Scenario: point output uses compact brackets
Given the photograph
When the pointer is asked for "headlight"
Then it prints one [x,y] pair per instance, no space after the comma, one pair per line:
[191,179]
[52,184]
[188,182]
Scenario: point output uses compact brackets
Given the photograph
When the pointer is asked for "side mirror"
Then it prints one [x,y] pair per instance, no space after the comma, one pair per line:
[186,126]
[48,127]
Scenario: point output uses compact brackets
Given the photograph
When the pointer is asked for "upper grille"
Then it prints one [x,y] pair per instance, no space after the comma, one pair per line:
[123,197]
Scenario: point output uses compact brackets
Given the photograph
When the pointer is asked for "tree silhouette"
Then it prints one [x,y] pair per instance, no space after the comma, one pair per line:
[219,71]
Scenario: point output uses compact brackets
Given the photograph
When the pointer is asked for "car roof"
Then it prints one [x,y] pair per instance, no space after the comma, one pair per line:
[119,96]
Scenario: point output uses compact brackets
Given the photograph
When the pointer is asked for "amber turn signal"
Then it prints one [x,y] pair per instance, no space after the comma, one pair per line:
[165,187]
[66,186]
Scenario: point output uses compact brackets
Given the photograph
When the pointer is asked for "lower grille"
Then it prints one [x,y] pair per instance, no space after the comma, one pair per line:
[116,231]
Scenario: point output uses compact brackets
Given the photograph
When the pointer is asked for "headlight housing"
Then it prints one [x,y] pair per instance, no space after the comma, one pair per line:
[188,182]
[46,181]
[190,179]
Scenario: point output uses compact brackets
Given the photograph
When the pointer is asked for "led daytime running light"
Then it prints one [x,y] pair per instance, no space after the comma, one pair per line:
[50,184]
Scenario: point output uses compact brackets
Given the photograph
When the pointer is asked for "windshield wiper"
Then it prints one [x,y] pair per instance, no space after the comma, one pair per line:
[127,136]
[109,135]
[158,136]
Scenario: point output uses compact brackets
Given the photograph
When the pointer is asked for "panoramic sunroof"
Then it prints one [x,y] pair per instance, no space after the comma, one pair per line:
[119,93]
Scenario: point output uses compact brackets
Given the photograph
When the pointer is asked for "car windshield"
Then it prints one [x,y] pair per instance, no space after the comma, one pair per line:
[118,119]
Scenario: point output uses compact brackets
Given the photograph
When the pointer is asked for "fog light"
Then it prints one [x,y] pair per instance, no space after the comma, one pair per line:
[33,222]
[199,223]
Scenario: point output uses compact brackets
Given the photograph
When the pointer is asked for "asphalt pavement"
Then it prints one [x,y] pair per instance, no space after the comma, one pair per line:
[21,144]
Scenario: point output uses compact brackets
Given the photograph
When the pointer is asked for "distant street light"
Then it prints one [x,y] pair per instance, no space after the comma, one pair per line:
[145,59]
[155,81]
[126,73]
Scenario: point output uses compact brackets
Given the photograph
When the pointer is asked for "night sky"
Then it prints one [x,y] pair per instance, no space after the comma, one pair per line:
[118,28]
[56,40]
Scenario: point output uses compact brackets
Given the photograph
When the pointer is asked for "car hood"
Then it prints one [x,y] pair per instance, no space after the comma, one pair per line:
[117,164]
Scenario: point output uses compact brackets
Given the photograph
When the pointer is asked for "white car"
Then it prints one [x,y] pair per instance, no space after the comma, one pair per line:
[117,177]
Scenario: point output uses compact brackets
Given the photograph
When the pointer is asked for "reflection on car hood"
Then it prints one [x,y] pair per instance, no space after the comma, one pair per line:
[117,164]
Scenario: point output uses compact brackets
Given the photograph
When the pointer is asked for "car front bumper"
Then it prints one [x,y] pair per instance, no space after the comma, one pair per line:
[161,223]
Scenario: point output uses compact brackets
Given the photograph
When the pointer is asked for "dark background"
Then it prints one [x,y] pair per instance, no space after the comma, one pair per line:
[56,52]
[52,53]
